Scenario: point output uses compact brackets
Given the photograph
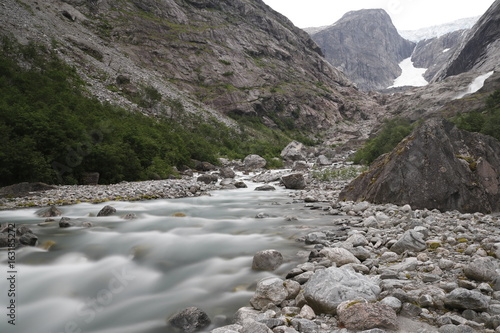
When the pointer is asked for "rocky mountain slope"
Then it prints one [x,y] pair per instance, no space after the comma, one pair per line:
[480,49]
[237,58]
[366,46]
[433,53]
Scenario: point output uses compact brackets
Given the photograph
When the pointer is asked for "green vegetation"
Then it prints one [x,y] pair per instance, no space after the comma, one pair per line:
[392,132]
[485,121]
[51,131]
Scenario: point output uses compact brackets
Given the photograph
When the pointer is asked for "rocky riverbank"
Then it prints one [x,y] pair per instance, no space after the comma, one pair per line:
[383,268]
[375,268]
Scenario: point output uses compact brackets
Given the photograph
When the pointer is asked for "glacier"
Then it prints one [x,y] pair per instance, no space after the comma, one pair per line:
[410,75]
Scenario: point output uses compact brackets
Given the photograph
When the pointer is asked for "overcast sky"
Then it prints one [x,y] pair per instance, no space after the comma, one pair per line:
[405,14]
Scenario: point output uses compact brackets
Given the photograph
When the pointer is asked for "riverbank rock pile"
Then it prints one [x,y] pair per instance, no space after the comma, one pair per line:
[385,268]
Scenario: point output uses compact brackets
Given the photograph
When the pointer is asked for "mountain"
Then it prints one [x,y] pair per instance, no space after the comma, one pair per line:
[480,50]
[433,53]
[438,30]
[366,46]
[236,58]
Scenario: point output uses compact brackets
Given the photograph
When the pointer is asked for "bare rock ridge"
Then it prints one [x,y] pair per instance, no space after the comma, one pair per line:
[480,50]
[436,167]
[366,46]
[238,57]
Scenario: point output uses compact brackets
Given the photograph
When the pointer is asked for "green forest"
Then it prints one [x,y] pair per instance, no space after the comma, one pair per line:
[51,131]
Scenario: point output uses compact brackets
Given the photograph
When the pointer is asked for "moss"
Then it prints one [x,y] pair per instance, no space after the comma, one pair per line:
[462,240]
[179,215]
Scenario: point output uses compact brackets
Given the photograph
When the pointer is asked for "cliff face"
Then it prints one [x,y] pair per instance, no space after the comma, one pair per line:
[433,53]
[366,46]
[231,57]
[480,49]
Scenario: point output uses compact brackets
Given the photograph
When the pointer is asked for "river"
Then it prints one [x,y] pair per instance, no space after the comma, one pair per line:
[130,276]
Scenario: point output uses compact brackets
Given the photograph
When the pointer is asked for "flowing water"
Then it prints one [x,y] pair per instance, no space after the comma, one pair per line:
[122,276]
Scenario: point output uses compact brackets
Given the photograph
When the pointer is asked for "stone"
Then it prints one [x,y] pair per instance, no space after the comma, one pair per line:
[240,185]
[269,291]
[362,316]
[253,162]
[49,212]
[481,269]
[294,181]
[251,326]
[327,288]
[267,260]
[292,287]
[235,328]
[65,222]
[107,211]
[433,168]
[28,239]
[316,237]
[410,241]
[392,302]
[307,312]
[294,151]
[23,189]
[339,256]
[245,313]
[464,299]
[265,188]
[450,328]
[300,166]
[190,320]
[208,178]
[323,160]
[304,325]
[227,173]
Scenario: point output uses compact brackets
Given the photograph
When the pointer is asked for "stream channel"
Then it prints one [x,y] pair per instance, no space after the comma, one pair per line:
[130,276]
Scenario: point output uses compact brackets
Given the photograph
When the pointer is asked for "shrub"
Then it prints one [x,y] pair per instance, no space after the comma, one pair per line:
[392,132]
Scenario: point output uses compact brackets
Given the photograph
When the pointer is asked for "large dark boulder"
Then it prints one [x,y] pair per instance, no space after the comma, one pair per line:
[437,166]
[24,189]
[190,320]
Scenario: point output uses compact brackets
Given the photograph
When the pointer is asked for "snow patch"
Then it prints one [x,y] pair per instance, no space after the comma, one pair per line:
[477,84]
[410,75]
[445,50]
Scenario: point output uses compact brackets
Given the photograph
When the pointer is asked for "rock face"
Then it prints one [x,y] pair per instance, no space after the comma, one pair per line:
[238,57]
[366,46]
[436,166]
[435,52]
[479,51]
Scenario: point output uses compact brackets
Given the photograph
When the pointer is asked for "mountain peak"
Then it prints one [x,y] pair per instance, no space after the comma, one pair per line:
[366,46]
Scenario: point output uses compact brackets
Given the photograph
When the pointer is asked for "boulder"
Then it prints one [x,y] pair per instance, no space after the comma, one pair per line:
[90,178]
[265,188]
[481,269]
[339,256]
[267,260]
[294,181]
[49,212]
[294,151]
[327,288]
[227,173]
[464,299]
[190,320]
[410,241]
[437,166]
[207,178]
[65,222]
[361,316]
[323,160]
[107,211]
[23,189]
[270,290]
[252,162]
